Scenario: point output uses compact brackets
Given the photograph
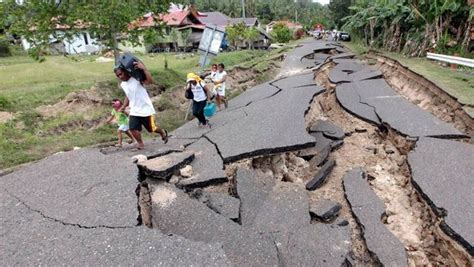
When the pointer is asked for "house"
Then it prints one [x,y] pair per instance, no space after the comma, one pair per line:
[81,42]
[291,25]
[183,29]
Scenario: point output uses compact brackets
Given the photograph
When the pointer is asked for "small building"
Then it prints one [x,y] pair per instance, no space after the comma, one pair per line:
[81,42]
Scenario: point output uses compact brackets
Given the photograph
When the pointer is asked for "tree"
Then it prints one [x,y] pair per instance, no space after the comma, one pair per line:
[186,36]
[38,20]
[236,34]
[174,38]
[339,10]
[281,33]
[251,35]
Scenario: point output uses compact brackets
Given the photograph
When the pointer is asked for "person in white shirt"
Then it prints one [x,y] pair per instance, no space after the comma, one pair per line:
[200,97]
[219,82]
[141,108]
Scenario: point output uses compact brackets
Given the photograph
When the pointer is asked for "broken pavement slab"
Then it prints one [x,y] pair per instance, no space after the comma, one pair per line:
[208,167]
[443,172]
[328,129]
[80,187]
[375,101]
[165,166]
[321,176]
[174,212]
[267,129]
[223,204]
[325,210]
[343,56]
[252,190]
[30,239]
[368,209]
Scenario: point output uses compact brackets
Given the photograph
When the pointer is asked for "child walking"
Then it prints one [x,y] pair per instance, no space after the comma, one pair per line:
[122,120]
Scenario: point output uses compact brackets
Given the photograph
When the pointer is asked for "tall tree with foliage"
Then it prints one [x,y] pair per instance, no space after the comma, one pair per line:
[414,27]
[251,35]
[339,10]
[38,20]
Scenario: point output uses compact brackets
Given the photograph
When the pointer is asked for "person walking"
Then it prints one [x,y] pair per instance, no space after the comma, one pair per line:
[121,119]
[141,108]
[219,82]
[201,96]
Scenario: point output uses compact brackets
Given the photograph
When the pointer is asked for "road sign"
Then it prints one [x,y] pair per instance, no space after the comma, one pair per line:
[211,40]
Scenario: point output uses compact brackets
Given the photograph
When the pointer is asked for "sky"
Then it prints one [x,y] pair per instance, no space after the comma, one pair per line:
[324,2]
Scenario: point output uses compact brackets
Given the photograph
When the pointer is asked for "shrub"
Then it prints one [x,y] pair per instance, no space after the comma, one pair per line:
[281,33]
[4,48]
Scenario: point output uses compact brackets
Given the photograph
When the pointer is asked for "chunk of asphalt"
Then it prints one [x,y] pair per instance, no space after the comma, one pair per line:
[336,144]
[295,81]
[325,210]
[318,159]
[337,76]
[207,166]
[321,176]
[437,163]
[349,99]
[174,212]
[368,209]
[252,190]
[328,129]
[343,55]
[347,65]
[224,204]
[365,74]
[164,167]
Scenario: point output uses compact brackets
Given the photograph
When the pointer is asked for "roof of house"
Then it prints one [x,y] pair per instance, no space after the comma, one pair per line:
[214,18]
[289,24]
[246,21]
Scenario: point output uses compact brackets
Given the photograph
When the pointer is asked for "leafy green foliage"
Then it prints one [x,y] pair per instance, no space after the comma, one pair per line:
[413,27]
[281,33]
[4,47]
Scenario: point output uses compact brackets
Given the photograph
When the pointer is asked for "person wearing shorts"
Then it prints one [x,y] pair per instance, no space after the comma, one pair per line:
[141,108]
[219,85]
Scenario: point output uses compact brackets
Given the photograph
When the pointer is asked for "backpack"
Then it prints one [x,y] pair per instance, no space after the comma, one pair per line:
[188,93]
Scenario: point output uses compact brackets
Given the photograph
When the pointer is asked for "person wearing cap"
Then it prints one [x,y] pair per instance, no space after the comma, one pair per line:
[122,121]
[200,97]
[141,108]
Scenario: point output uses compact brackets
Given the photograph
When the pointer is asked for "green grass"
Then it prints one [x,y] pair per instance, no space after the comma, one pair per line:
[27,84]
[459,83]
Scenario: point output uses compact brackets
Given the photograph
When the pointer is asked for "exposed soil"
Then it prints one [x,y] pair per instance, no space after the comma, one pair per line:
[5,116]
[382,154]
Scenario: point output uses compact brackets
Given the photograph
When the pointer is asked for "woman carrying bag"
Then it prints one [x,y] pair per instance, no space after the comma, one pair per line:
[199,93]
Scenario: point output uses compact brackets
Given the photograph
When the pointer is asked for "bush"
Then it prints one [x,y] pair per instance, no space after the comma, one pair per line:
[4,103]
[281,33]
[4,48]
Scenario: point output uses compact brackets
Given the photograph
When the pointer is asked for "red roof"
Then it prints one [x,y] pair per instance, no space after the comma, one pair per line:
[174,18]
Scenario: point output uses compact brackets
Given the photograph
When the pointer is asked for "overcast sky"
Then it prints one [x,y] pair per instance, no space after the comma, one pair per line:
[324,2]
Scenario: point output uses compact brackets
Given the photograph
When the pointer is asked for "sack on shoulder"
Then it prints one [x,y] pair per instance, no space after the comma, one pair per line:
[188,94]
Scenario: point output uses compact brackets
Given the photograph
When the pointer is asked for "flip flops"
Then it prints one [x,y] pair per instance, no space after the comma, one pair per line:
[165,137]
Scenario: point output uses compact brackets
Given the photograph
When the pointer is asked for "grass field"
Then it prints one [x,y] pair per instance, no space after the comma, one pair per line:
[459,83]
[26,85]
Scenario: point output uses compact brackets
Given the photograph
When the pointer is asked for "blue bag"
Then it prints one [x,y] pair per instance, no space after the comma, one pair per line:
[210,109]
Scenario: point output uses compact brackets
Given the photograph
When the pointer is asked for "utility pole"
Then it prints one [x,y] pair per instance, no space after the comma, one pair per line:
[296,11]
[243,9]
